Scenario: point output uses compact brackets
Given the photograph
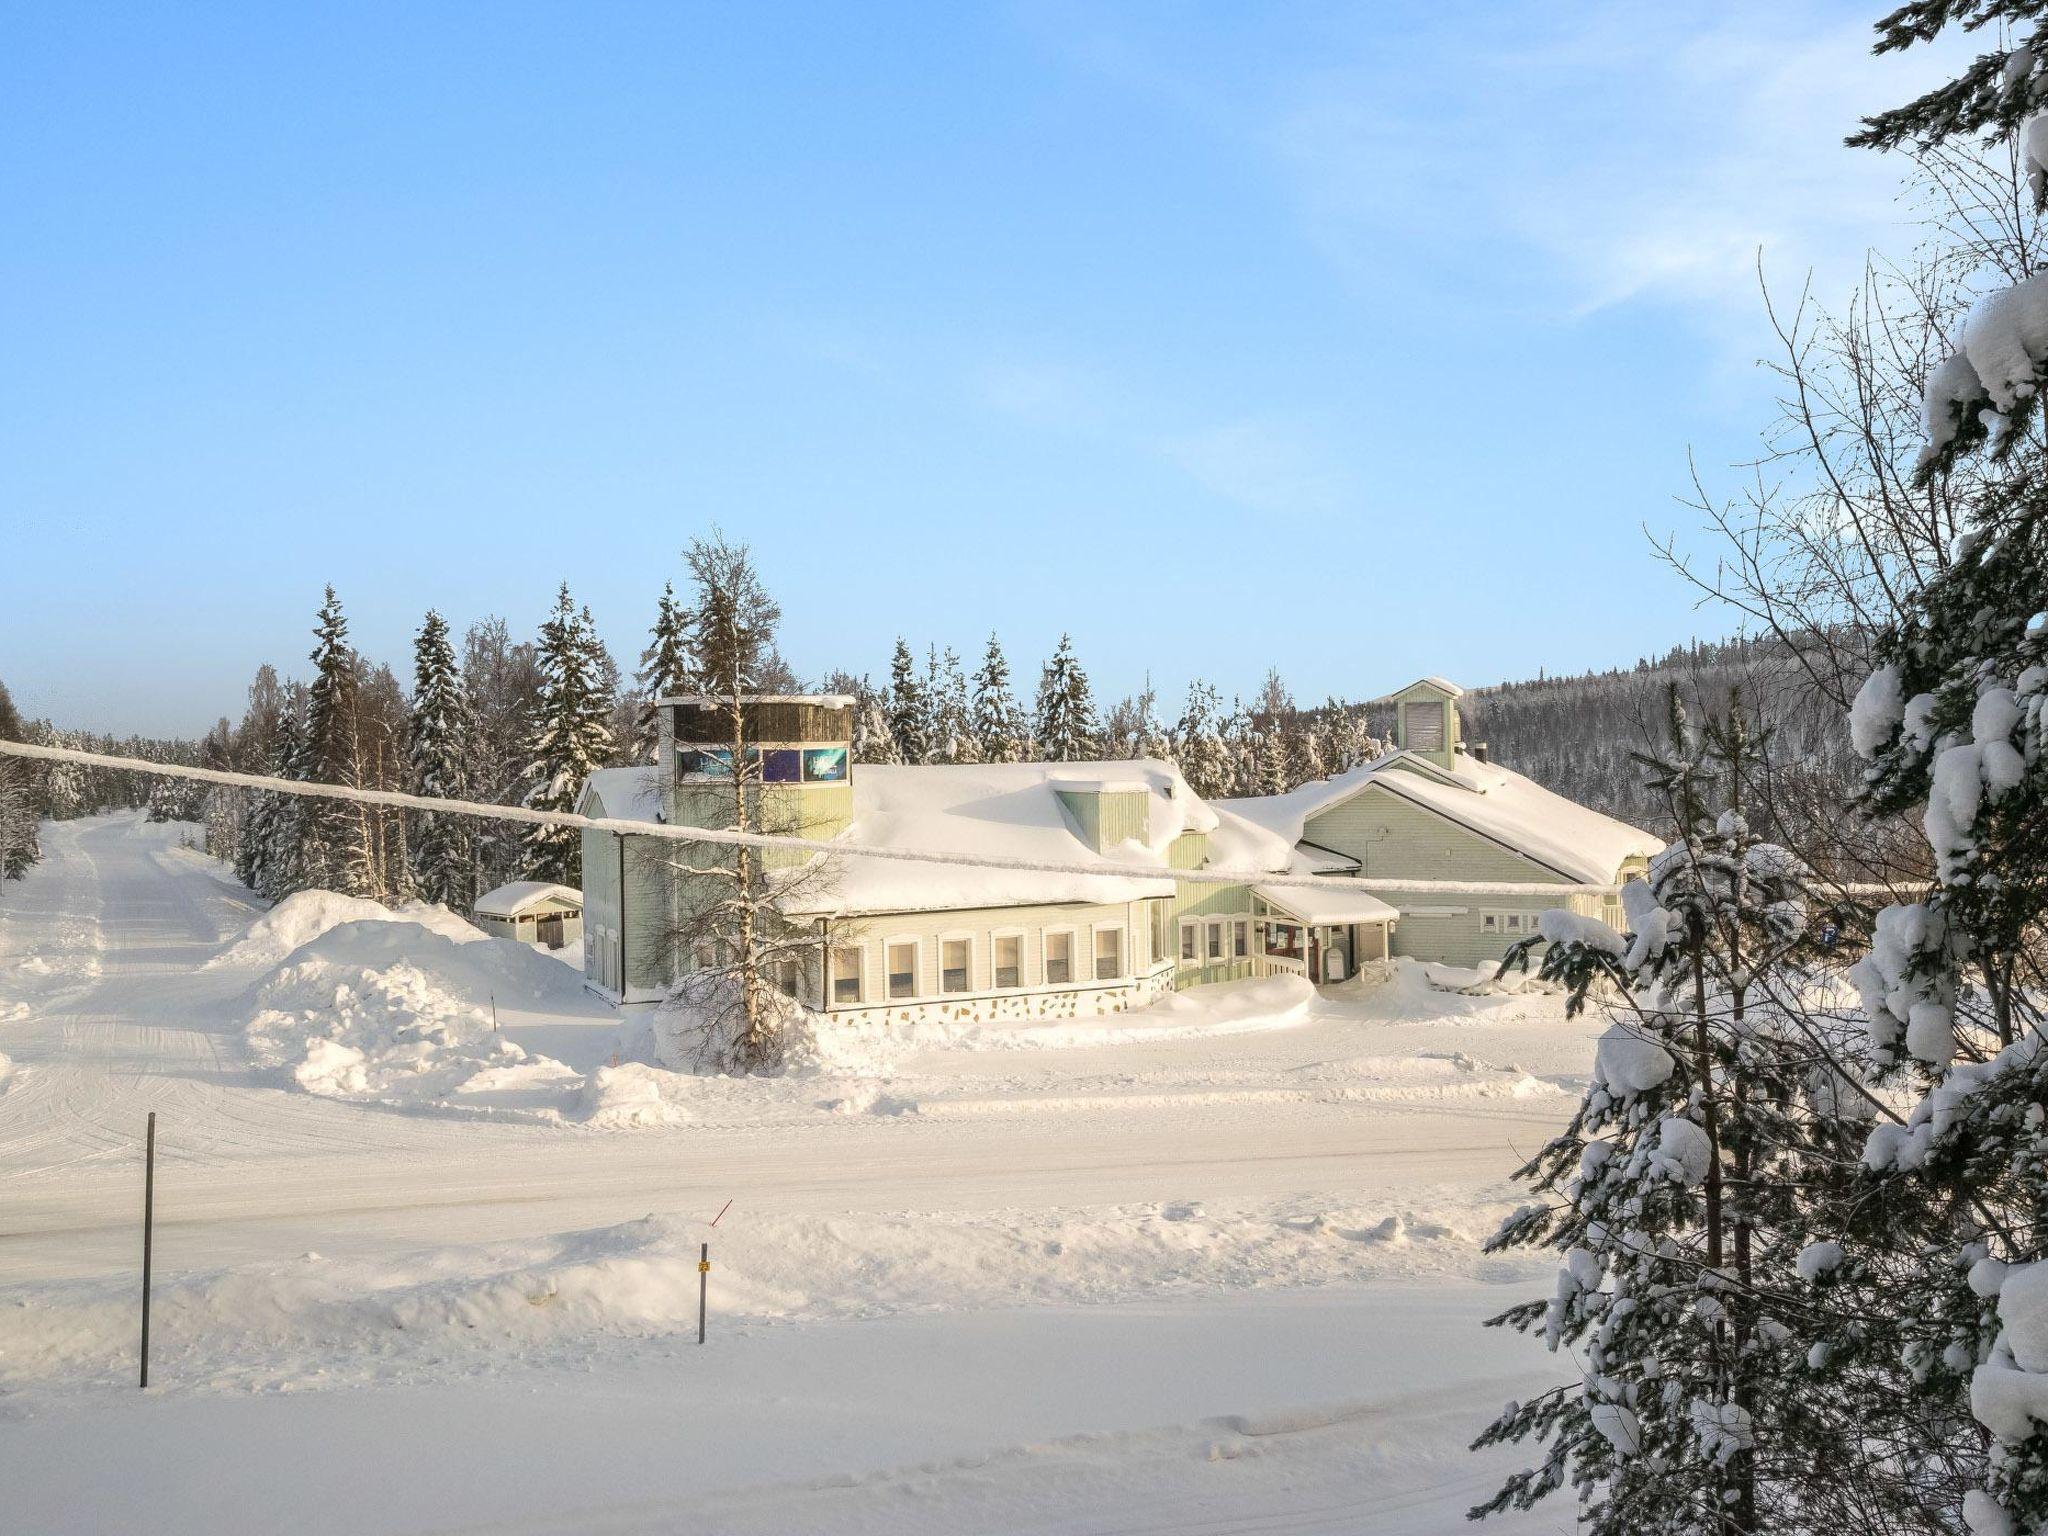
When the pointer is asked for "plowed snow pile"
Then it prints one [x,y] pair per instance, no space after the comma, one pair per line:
[538,1298]
[390,1011]
[305,915]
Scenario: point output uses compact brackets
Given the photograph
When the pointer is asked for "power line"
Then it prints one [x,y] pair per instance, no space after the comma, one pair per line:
[728,837]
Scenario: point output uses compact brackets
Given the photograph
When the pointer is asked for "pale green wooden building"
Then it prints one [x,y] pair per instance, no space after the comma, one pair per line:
[1435,810]
[905,940]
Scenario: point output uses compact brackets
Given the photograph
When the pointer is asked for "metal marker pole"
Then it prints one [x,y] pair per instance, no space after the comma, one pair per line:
[148,1234]
[703,1286]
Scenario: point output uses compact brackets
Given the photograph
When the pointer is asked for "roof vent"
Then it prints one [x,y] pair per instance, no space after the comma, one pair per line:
[1478,750]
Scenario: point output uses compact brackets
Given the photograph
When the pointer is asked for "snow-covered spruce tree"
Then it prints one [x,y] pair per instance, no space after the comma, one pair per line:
[910,709]
[1954,718]
[1067,728]
[1198,743]
[1681,1196]
[335,852]
[1001,733]
[946,686]
[1149,736]
[572,739]
[443,858]
[1953,1239]
[873,741]
[666,668]
[1305,740]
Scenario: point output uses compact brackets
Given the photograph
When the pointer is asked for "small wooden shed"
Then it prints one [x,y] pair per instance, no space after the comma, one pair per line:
[533,912]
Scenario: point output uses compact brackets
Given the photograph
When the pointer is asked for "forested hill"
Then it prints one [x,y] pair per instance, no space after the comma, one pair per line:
[1575,734]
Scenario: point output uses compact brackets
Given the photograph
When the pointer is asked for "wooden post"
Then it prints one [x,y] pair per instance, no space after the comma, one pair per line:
[148,1233]
[703,1284]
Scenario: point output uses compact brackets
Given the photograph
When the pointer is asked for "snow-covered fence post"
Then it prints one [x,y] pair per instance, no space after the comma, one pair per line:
[148,1232]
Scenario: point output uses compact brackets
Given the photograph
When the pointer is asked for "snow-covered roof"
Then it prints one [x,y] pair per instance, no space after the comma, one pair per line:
[517,896]
[1313,859]
[1329,902]
[1580,844]
[1007,810]
[629,794]
[1014,810]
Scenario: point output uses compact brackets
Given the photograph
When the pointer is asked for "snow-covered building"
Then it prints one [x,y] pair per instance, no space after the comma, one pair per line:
[533,912]
[1433,810]
[904,939]
[900,939]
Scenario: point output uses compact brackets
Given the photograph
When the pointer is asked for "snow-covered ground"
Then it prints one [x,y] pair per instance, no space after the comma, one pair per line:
[1213,1267]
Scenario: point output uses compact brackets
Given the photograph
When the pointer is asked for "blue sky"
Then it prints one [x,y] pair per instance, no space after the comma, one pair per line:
[1357,340]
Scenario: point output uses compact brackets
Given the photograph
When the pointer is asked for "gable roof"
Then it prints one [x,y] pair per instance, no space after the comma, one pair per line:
[1442,685]
[1580,844]
[517,896]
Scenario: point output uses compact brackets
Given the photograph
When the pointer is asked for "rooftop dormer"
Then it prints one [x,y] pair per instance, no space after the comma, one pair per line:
[1426,720]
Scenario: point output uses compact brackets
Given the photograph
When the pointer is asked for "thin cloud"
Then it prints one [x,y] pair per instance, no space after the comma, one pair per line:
[1626,155]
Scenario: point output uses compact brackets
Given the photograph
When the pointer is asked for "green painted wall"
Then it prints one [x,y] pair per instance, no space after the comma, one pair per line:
[1104,820]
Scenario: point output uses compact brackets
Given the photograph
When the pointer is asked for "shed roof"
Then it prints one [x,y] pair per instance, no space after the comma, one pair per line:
[520,896]
[1327,903]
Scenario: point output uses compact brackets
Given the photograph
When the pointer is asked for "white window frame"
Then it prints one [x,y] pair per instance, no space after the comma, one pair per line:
[1073,943]
[996,936]
[1215,947]
[1123,951]
[1240,938]
[956,937]
[860,973]
[916,943]
[1191,941]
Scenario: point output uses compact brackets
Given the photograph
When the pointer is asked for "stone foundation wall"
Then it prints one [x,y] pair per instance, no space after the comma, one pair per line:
[1015,1007]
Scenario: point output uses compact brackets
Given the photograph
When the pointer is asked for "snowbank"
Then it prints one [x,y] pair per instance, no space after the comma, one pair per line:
[539,1297]
[305,915]
[391,1011]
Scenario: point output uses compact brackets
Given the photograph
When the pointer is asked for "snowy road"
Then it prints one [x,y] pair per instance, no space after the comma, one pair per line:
[932,1296]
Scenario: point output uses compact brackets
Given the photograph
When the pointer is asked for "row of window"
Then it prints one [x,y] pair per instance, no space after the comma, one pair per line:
[1064,961]
[1518,924]
[768,765]
[1209,941]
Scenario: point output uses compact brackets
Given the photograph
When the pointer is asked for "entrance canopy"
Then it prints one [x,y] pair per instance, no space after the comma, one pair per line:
[1326,904]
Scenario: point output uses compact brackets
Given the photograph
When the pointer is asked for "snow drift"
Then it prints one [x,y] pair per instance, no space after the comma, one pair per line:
[544,1297]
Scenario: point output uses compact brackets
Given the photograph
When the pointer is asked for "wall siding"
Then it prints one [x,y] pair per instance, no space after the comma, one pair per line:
[1393,838]
[980,925]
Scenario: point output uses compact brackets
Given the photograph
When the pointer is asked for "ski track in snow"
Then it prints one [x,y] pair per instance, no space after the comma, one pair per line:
[933,1401]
